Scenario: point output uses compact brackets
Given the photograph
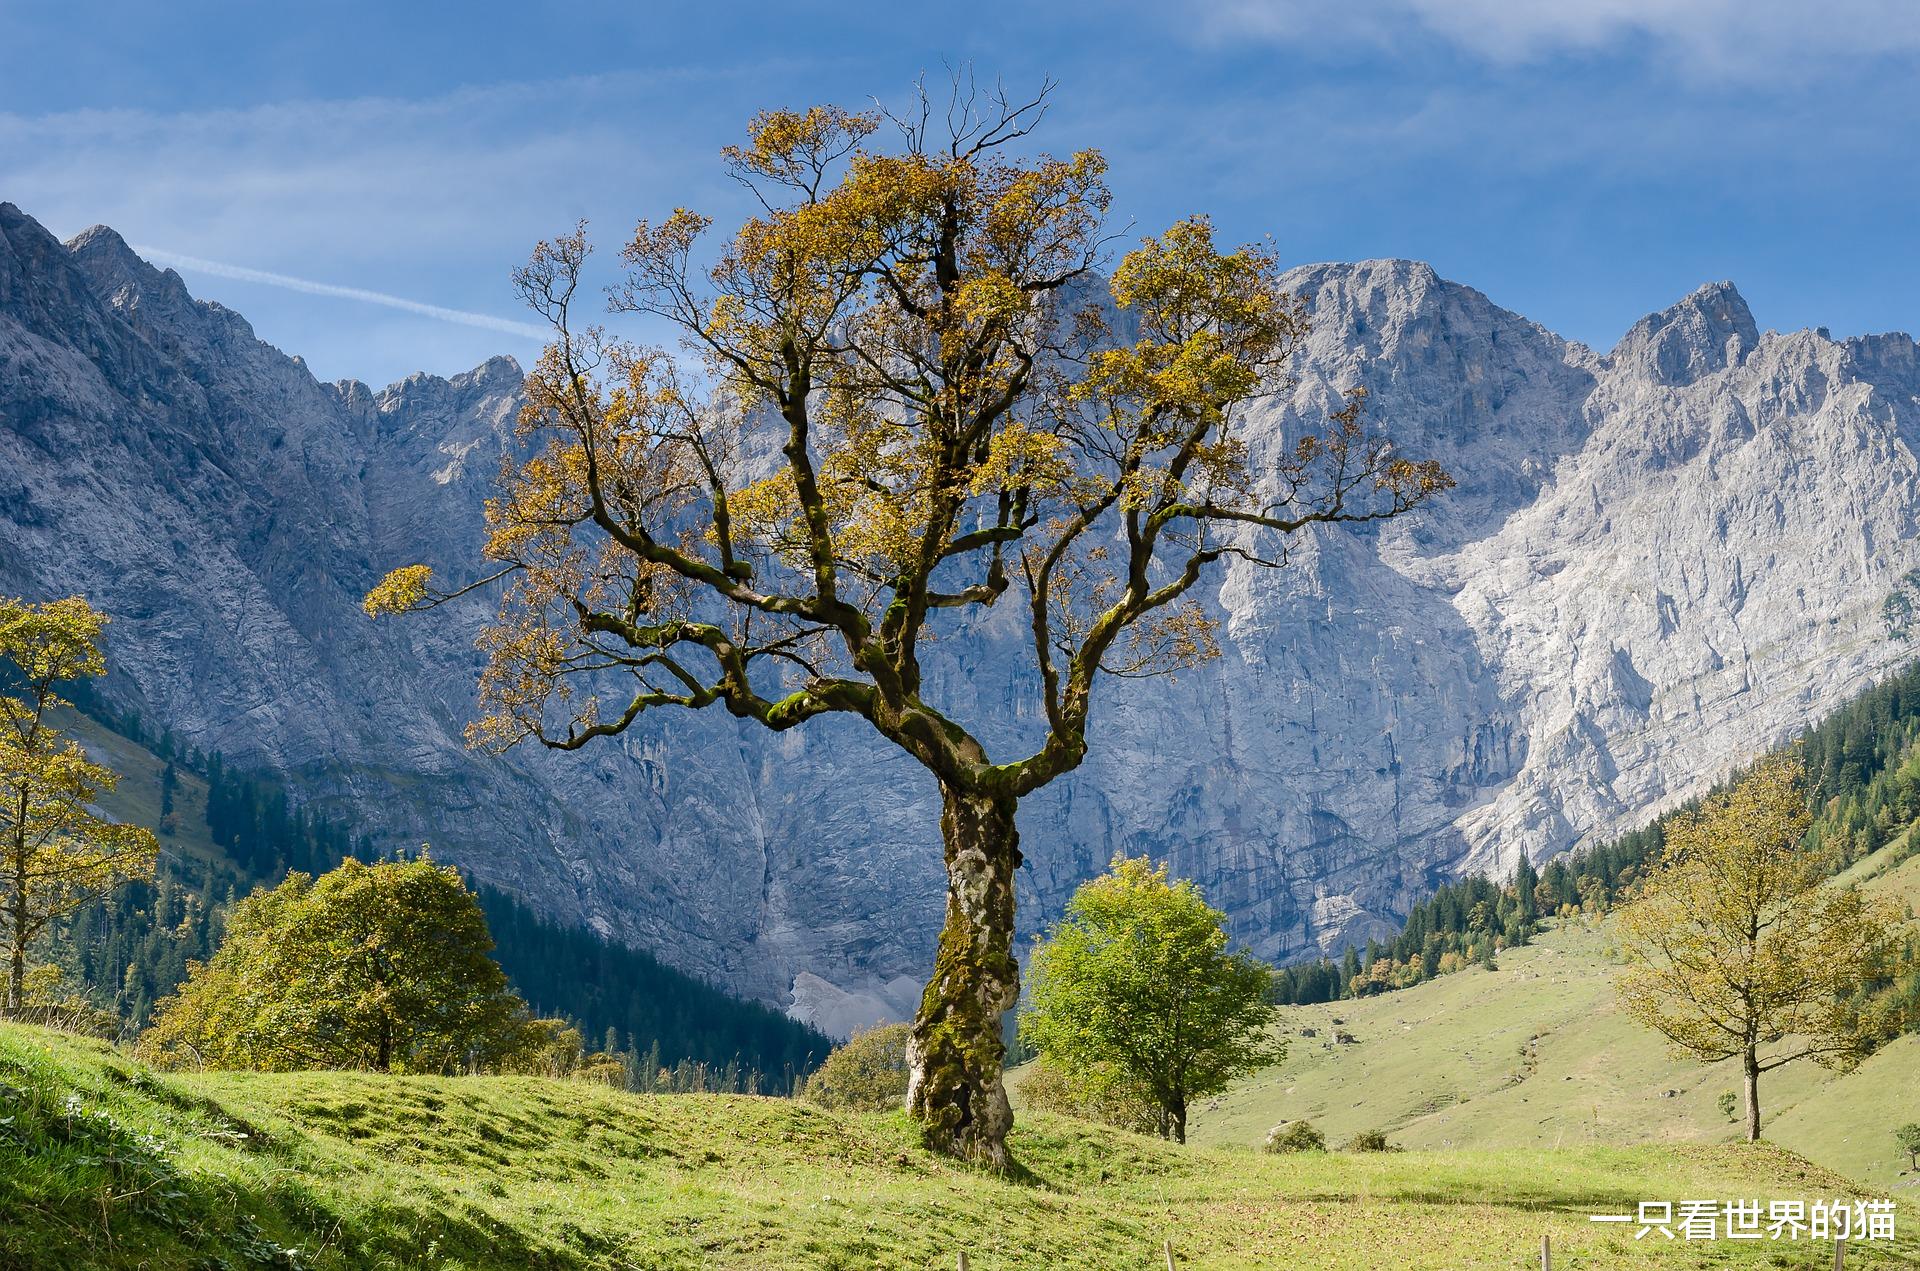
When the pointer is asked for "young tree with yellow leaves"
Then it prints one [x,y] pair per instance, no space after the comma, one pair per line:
[1736,948]
[56,853]
[914,397]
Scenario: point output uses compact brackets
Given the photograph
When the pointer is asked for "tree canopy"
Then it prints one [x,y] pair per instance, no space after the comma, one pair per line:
[383,966]
[1136,984]
[1737,951]
[56,851]
[917,384]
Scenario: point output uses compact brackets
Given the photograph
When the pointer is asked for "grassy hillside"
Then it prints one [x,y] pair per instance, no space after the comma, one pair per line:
[106,1165]
[1536,1054]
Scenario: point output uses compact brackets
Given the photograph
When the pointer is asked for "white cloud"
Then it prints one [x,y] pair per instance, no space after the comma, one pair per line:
[387,197]
[240,273]
[1736,39]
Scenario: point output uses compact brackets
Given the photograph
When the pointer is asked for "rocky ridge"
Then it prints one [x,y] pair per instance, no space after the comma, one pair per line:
[1658,561]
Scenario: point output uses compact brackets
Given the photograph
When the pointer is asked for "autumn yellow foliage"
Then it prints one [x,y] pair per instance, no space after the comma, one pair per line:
[1737,950]
[56,851]
[914,385]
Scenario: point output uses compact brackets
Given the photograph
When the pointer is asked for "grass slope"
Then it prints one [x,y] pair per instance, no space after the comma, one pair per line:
[1537,1054]
[106,1165]
[136,799]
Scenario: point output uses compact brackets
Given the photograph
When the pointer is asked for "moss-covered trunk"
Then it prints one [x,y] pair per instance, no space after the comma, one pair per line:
[954,1058]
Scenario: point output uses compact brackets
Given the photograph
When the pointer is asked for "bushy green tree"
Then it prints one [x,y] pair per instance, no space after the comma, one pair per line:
[384,966]
[555,1048]
[1138,978]
[866,1074]
[50,998]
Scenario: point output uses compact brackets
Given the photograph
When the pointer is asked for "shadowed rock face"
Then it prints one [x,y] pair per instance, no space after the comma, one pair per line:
[1657,563]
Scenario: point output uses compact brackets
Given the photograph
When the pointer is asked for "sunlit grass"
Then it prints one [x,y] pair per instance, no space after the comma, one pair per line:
[108,1165]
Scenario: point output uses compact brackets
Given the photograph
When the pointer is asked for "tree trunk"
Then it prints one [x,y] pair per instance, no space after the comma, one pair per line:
[1753,1097]
[954,1088]
[1179,1111]
[17,909]
[16,977]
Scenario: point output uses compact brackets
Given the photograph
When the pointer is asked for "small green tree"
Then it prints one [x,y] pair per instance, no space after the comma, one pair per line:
[1908,1137]
[1727,1102]
[1138,978]
[555,1048]
[383,966]
[867,1074]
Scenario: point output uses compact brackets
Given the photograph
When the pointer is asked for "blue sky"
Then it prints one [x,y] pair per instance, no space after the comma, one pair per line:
[1581,161]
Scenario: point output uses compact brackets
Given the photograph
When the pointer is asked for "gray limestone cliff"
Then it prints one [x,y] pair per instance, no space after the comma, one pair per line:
[1659,561]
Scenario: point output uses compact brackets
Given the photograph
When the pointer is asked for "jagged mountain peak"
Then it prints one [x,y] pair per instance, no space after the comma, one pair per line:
[500,373]
[158,304]
[107,254]
[47,295]
[14,221]
[1386,284]
[1377,304]
[1706,332]
[30,260]
[499,368]
[1894,354]
[1395,271]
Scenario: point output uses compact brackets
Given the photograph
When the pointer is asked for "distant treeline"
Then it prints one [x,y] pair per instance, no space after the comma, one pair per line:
[672,1030]
[1462,923]
[1863,768]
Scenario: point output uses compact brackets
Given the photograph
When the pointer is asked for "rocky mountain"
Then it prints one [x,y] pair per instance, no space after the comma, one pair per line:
[1658,562]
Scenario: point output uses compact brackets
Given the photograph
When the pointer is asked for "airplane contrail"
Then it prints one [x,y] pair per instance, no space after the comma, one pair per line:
[241,273]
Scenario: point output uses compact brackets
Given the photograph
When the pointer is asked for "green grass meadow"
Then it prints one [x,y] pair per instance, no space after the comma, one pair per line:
[1525,1101]
[105,1164]
[1536,1054]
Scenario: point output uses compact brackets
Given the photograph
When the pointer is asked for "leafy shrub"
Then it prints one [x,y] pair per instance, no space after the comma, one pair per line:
[50,998]
[1100,1094]
[867,1074]
[1727,1102]
[1368,1141]
[554,1048]
[1296,1136]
